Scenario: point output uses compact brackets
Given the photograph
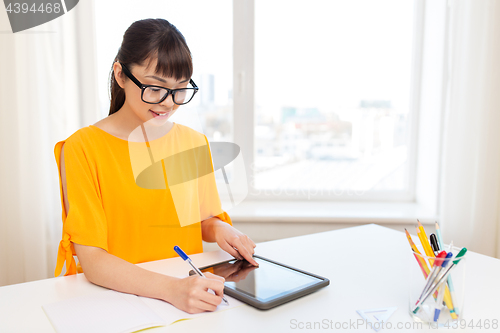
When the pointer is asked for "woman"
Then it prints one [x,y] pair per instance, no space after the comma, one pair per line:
[113,221]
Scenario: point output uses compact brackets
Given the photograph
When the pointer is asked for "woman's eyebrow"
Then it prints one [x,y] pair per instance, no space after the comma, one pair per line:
[162,80]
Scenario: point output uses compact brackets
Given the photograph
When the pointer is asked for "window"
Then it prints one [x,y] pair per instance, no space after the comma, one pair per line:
[321,89]
[332,106]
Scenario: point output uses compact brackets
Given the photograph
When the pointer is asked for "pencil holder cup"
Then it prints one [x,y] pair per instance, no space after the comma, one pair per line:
[436,293]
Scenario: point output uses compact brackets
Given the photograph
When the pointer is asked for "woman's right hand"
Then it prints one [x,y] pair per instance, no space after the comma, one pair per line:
[191,294]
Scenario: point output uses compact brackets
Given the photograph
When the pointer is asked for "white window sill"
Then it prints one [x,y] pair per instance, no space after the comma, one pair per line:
[331,212]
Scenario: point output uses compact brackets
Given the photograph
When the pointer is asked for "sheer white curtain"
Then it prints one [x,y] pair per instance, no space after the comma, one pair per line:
[47,92]
[470,174]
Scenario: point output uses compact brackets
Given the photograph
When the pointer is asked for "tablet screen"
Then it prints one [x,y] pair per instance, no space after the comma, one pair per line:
[267,281]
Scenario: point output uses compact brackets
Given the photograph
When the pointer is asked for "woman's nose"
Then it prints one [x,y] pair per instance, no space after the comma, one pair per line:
[168,102]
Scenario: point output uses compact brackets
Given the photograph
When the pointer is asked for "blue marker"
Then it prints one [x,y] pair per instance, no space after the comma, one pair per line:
[439,301]
[188,260]
[450,281]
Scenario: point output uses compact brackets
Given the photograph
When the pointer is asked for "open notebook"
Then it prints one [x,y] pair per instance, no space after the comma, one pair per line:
[111,311]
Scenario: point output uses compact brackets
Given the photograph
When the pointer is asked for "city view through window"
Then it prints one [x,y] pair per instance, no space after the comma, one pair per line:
[332,97]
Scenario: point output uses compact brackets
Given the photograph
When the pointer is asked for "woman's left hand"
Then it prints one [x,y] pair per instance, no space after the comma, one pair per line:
[234,242]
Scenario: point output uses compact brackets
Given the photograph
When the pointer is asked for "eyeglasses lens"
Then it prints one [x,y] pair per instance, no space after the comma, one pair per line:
[153,94]
[183,96]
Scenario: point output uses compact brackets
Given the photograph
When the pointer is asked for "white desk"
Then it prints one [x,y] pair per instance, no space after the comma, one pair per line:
[365,265]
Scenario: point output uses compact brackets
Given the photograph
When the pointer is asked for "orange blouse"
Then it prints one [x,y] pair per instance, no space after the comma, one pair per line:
[107,209]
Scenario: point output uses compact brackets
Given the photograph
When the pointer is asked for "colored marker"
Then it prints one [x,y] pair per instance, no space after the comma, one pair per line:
[439,301]
[434,244]
[440,279]
[434,273]
[428,251]
[450,280]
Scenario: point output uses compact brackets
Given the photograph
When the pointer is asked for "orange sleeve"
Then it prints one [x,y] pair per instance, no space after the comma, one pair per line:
[85,222]
[225,218]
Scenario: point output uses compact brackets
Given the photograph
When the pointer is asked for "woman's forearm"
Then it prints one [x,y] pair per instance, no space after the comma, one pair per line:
[109,271]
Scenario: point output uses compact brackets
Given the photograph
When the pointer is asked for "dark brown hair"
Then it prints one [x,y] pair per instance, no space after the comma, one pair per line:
[147,40]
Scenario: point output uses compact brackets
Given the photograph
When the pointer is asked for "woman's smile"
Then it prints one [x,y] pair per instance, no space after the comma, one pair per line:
[161,114]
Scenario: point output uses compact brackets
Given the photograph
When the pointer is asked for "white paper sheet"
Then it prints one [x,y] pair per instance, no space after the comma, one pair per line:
[108,311]
[115,312]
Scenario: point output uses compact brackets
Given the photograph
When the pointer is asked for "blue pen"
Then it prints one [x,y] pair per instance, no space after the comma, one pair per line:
[439,301]
[450,281]
[188,260]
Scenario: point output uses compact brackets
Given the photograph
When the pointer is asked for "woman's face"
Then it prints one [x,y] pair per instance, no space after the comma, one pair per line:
[142,110]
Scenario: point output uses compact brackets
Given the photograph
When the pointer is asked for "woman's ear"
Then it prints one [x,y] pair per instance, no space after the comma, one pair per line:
[118,73]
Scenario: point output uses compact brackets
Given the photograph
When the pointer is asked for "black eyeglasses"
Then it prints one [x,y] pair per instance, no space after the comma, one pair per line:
[152,94]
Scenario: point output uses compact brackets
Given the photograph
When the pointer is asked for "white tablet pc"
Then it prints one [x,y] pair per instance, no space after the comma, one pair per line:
[266,286]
